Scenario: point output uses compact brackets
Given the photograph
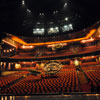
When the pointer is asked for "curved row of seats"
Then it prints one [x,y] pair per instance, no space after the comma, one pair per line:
[60,83]
[91,68]
[94,77]
[22,73]
[93,73]
[5,80]
[64,81]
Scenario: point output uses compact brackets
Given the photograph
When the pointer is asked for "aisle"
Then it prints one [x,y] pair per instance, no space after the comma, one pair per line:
[84,86]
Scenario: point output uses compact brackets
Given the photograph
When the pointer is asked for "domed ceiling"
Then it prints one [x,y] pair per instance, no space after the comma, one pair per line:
[47,17]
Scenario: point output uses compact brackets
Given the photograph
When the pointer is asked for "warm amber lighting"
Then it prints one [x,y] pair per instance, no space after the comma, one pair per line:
[89,57]
[17,66]
[76,62]
[18,40]
[98,30]
[9,43]
[48,43]
[2,98]
[4,50]
[7,50]
[27,47]
[53,45]
[88,40]
[10,97]
[10,49]
[24,62]
[5,97]
[1,63]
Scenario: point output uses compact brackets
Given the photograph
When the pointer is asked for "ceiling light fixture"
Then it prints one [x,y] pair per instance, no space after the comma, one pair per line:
[65,4]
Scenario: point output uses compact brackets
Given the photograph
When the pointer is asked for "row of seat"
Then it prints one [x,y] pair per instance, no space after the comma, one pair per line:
[60,83]
[93,74]
[64,81]
[5,80]
[68,69]
[21,73]
[91,68]
[94,77]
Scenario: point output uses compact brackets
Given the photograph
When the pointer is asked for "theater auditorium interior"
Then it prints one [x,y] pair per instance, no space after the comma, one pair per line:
[49,49]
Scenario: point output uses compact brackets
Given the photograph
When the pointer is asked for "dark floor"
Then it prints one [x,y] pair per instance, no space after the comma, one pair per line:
[53,97]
